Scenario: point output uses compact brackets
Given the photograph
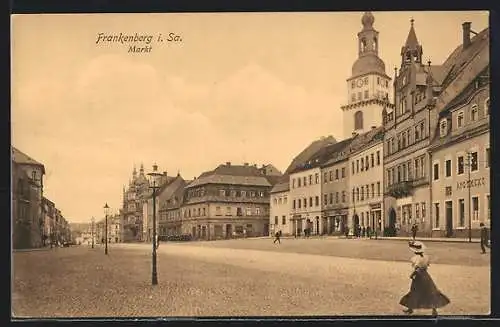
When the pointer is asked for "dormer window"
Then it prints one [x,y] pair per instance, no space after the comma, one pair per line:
[487,106]
[460,119]
[443,127]
[473,113]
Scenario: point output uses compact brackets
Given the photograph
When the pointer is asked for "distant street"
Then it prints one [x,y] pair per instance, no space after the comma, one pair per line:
[243,277]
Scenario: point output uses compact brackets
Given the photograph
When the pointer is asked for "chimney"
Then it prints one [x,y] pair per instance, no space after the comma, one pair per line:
[245,164]
[165,173]
[255,165]
[466,34]
[228,163]
[354,134]
[373,127]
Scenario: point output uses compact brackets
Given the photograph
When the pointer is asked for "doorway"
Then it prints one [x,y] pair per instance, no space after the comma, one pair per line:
[229,230]
[392,222]
[449,218]
[317,225]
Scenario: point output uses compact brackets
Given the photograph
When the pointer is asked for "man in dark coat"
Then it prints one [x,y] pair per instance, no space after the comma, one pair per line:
[484,238]
[277,236]
[414,229]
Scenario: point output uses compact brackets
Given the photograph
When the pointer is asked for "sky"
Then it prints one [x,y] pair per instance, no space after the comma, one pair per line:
[238,87]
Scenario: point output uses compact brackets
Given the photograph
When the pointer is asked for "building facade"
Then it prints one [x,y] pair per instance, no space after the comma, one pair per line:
[368,86]
[280,208]
[335,188]
[170,210]
[229,201]
[461,162]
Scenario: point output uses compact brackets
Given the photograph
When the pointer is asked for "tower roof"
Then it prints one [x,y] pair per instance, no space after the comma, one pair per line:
[411,40]
[367,20]
[368,64]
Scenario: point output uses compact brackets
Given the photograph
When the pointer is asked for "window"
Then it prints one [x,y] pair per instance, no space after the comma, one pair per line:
[217,211]
[283,220]
[443,128]
[365,80]
[417,134]
[487,157]
[358,120]
[417,211]
[473,163]
[436,171]
[473,113]
[461,213]
[293,204]
[366,94]
[222,192]
[475,208]
[316,202]
[276,220]
[316,178]
[353,168]
[367,164]
[353,97]
[378,158]
[299,182]
[331,175]
[228,211]
[325,177]
[378,80]
[343,196]
[460,165]
[310,180]
[257,211]
[373,190]
[204,212]
[336,197]
[362,164]
[239,211]
[357,193]
[353,84]
[372,157]
[436,212]
[325,199]
[343,168]
[331,198]
[336,174]
[248,211]
[460,119]
[448,168]
[487,106]
[360,96]
[310,201]
[357,166]
[378,188]
[293,182]
[362,193]
[299,203]
[422,205]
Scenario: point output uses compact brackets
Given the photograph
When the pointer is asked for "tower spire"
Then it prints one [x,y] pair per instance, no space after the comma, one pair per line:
[412,50]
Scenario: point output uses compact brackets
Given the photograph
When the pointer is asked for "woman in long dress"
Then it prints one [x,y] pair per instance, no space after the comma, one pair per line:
[423,292]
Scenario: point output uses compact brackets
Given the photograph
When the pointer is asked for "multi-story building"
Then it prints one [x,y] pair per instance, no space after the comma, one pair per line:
[335,187]
[280,208]
[366,179]
[27,214]
[368,86]
[171,198]
[305,194]
[49,209]
[460,149]
[421,92]
[229,199]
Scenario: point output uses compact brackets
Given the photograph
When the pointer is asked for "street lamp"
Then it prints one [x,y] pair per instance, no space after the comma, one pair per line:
[154,184]
[92,231]
[106,212]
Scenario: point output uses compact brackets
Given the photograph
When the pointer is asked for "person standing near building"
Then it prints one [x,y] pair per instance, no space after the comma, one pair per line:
[484,238]
[423,292]
[414,229]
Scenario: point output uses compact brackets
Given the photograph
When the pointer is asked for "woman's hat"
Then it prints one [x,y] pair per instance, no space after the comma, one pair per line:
[417,246]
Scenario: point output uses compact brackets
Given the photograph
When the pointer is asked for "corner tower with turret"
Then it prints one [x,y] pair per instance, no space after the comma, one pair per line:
[369,85]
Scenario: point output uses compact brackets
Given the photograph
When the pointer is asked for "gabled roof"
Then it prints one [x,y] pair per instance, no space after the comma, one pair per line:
[233,175]
[23,159]
[282,185]
[302,158]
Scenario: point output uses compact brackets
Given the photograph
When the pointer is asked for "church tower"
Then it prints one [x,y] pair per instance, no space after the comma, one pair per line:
[368,87]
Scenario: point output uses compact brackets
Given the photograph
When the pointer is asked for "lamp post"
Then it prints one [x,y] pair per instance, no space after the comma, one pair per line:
[154,184]
[106,212]
[92,232]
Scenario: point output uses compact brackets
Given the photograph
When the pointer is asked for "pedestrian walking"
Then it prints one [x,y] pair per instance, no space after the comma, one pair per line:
[423,292]
[414,230]
[277,236]
[484,238]
[363,231]
[368,232]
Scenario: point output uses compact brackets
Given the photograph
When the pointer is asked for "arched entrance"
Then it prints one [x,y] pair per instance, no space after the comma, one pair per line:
[391,230]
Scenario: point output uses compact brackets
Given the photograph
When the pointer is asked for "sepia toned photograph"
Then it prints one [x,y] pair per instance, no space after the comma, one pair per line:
[275,164]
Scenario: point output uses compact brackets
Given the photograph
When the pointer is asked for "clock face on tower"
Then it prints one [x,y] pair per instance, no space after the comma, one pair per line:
[360,82]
